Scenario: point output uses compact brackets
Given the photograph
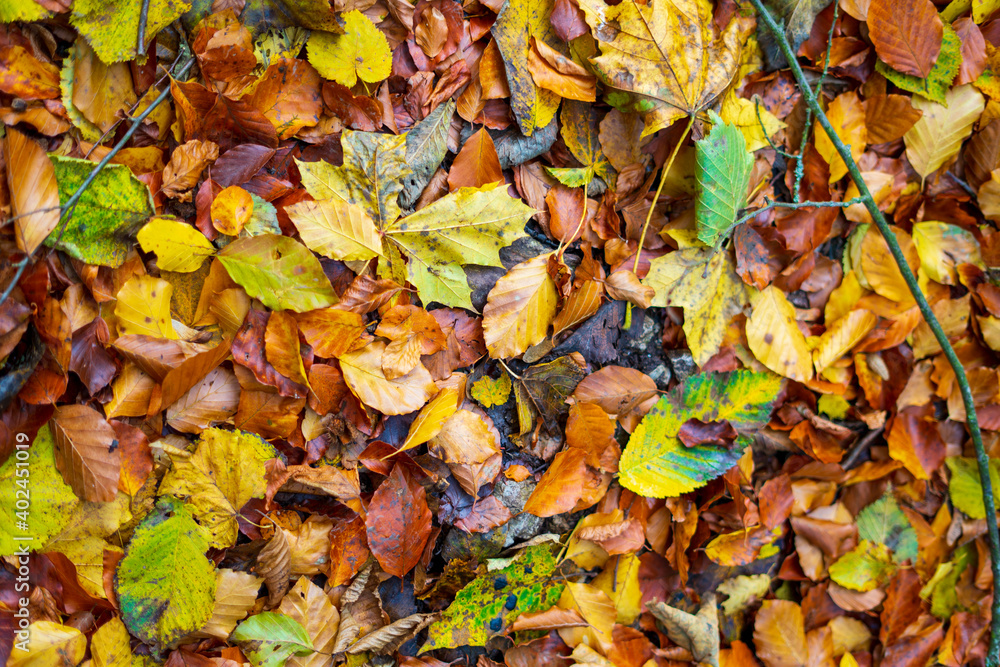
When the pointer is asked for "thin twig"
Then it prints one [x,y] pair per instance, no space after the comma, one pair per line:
[971,419]
[143,18]
[800,164]
[70,206]
[862,445]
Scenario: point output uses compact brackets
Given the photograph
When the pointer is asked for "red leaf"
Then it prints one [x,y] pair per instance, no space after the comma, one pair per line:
[398,522]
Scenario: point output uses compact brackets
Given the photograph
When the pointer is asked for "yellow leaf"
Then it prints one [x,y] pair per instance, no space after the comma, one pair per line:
[231,210]
[667,52]
[847,116]
[705,284]
[841,336]
[50,645]
[596,608]
[110,645]
[938,135]
[235,594]
[363,374]
[431,418]
[519,309]
[942,247]
[178,246]
[743,113]
[336,229]
[144,307]
[518,21]
[620,582]
[220,477]
[362,52]
[843,297]
[775,338]
[309,605]
[879,268]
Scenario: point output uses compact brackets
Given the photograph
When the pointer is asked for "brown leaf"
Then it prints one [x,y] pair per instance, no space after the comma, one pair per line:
[248,350]
[889,117]
[215,398]
[486,514]
[699,633]
[413,332]
[624,285]
[695,432]
[274,564]
[550,619]
[477,164]
[906,35]
[268,414]
[210,116]
[313,609]
[185,375]
[86,452]
[398,522]
[973,50]
[186,164]
[387,639]
[330,331]
[624,392]
[136,456]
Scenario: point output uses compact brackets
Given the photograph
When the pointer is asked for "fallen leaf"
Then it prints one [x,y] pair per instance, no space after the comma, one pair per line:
[398,522]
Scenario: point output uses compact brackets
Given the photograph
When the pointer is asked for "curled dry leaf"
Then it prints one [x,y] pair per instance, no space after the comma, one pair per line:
[399,396]
[31,182]
[187,162]
[274,565]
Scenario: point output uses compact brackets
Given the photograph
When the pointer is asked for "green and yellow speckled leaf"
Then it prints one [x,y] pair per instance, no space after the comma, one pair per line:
[165,584]
[468,226]
[223,474]
[936,85]
[491,392]
[492,601]
[658,465]
[374,172]
[52,501]
[21,10]
[112,26]
[517,22]
[883,522]
[863,568]
[110,212]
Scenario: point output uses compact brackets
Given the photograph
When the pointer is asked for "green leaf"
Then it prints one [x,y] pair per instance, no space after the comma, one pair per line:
[165,584]
[279,271]
[468,226]
[224,473]
[658,465]
[472,618]
[361,52]
[263,220]
[112,26]
[942,74]
[965,489]
[52,500]
[375,168]
[863,568]
[572,177]
[101,227]
[426,146]
[490,392]
[883,522]
[270,638]
[723,172]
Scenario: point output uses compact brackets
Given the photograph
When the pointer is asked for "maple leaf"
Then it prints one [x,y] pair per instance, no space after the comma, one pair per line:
[666,53]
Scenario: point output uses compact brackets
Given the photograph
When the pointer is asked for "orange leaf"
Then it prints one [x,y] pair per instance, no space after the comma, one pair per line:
[779,634]
[281,346]
[31,180]
[231,210]
[477,164]
[554,71]
[559,489]
[330,331]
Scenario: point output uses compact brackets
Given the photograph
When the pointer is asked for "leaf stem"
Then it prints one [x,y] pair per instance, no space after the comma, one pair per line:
[659,189]
[67,210]
[971,420]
